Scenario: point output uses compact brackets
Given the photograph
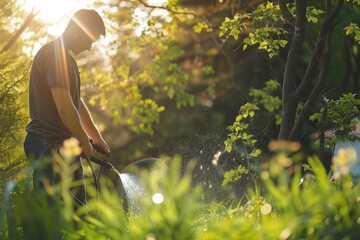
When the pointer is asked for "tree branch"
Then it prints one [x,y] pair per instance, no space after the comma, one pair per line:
[314,61]
[306,111]
[8,171]
[217,44]
[168,9]
[295,48]
[286,13]
[289,81]
[213,38]
[19,32]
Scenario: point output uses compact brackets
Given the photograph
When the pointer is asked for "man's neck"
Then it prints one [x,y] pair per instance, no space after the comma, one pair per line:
[65,41]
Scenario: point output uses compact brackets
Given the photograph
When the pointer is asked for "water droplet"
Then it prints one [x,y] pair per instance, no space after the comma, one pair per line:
[216,158]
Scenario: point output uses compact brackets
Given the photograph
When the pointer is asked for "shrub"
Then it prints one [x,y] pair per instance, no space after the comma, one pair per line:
[284,206]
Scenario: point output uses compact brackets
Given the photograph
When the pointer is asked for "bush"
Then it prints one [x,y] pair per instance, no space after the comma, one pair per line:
[170,208]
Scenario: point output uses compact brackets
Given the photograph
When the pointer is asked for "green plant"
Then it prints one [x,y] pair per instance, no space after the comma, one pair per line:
[278,208]
[234,175]
[13,78]
[268,98]
[342,117]
[238,131]
[353,29]
[315,209]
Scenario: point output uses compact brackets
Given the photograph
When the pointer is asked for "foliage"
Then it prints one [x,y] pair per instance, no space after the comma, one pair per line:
[270,26]
[278,208]
[156,62]
[293,211]
[142,72]
[240,134]
[151,75]
[13,75]
[235,175]
[238,131]
[267,25]
[234,26]
[342,115]
[353,29]
[266,32]
[267,97]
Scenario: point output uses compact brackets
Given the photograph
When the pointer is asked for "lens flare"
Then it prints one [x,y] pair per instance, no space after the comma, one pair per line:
[157,198]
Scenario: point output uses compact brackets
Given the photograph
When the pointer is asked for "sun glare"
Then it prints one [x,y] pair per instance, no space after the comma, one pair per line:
[56,13]
[157,2]
[141,16]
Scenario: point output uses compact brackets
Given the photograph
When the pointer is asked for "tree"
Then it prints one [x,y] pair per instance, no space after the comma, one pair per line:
[14,72]
[274,24]
[14,75]
[170,54]
[167,60]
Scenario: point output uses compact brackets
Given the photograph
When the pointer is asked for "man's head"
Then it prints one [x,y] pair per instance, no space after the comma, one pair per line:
[84,28]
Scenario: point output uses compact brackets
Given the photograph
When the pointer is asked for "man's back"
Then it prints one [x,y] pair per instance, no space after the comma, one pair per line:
[52,67]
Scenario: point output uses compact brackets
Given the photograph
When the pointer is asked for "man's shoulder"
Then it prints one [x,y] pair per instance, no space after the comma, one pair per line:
[48,47]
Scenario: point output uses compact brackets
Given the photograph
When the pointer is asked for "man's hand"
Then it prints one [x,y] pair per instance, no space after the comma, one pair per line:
[104,149]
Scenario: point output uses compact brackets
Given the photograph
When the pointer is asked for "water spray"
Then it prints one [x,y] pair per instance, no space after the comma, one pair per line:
[215,162]
[131,188]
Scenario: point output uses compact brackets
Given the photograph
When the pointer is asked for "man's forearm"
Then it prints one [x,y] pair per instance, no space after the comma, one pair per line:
[91,128]
[71,120]
[70,117]
[88,122]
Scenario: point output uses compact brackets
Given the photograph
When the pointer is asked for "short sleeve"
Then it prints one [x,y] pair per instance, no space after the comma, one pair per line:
[56,67]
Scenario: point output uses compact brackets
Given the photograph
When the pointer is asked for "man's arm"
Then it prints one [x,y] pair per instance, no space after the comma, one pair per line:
[71,118]
[91,128]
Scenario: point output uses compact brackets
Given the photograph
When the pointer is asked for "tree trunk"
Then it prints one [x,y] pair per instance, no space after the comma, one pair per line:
[293,94]
[289,103]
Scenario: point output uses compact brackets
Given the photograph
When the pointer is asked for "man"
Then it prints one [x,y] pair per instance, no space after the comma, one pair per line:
[55,106]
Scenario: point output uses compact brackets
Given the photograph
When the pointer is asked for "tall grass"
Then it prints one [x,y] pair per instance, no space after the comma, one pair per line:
[171,208]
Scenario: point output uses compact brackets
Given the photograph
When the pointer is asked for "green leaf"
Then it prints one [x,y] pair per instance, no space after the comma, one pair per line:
[228,148]
[255,152]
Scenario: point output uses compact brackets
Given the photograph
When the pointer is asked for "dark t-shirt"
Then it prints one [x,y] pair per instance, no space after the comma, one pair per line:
[52,67]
